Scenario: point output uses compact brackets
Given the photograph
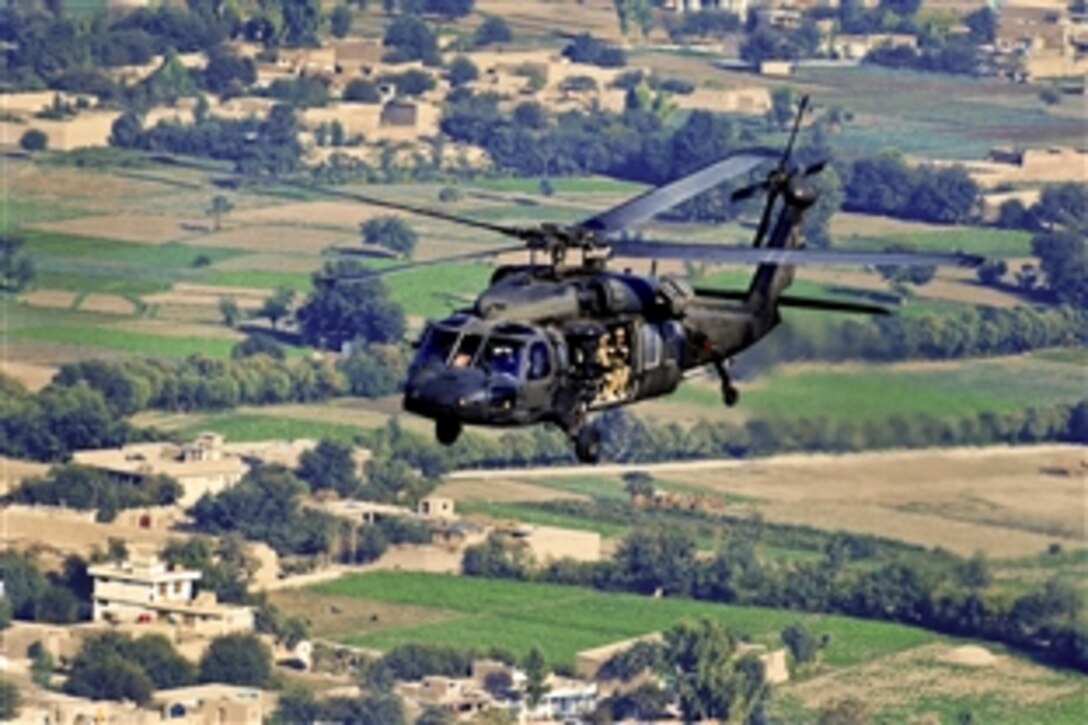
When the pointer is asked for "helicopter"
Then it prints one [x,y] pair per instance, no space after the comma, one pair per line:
[560,341]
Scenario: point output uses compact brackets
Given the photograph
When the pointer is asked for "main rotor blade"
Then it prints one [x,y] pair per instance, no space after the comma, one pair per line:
[810,303]
[409,266]
[508,231]
[648,249]
[665,197]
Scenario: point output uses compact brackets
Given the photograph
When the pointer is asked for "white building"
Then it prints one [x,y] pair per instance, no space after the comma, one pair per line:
[146,590]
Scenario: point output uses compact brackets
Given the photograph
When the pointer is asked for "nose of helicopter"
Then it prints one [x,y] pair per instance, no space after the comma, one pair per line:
[447,392]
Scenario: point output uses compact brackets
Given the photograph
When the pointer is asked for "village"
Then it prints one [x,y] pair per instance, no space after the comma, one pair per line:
[135,592]
[256,534]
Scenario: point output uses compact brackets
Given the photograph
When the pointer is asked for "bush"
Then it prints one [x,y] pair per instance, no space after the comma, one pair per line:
[587,49]
[493,30]
[362,91]
[34,140]
[237,659]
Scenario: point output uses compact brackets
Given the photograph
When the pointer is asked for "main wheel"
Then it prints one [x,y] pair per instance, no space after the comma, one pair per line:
[447,431]
[731,395]
[587,445]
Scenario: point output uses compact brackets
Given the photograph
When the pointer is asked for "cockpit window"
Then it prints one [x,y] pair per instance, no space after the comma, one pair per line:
[540,365]
[466,351]
[502,356]
[436,346]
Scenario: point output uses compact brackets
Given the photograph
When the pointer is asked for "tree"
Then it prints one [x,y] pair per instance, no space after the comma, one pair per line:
[1012,214]
[639,484]
[108,677]
[802,644]
[639,12]
[783,107]
[408,38]
[10,701]
[1063,257]
[340,21]
[220,207]
[492,30]
[229,311]
[495,558]
[709,681]
[1063,205]
[41,665]
[992,271]
[412,82]
[301,20]
[657,558]
[277,306]
[237,659]
[360,90]
[536,675]
[916,275]
[258,344]
[462,71]
[34,140]
[264,506]
[390,232]
[228,73]
[330,465]
[335,314]
[16,268]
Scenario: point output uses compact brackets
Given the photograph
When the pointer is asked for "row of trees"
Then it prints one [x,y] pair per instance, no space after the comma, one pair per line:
[888,185]
[971,332]
[114,666]
[84,488]
[938,591]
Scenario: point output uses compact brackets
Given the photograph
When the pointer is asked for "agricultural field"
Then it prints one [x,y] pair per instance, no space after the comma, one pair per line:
[906,672]
[877,392]
[1017,505]
[896,110]
[565,620]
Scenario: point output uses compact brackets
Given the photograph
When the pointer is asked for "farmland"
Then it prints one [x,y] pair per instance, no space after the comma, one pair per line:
[565,620]
[905,670]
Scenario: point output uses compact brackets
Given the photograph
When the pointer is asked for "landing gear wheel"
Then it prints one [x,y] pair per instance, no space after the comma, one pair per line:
[587,445]
[447,431]
[730,395]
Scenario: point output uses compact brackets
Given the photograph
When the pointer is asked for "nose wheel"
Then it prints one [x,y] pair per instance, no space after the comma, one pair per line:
[447,431]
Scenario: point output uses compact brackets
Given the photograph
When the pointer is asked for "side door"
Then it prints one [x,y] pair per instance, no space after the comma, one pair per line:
[539,385]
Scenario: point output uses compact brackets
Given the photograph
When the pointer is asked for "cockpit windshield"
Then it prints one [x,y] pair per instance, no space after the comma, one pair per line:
[498,351]
[436,346]
[502,356]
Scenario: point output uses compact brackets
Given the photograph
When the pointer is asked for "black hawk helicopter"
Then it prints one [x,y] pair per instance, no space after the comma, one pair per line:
[556,342]
[559,341]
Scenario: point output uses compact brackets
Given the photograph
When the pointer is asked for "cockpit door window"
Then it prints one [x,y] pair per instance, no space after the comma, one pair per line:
[540,364]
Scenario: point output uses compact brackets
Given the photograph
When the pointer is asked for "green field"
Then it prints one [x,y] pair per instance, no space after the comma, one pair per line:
[895,109]
[985,241]
[243,427]
[137,343]
[565,620]
[529,513]
[15,212]
[873,392]
[562,185]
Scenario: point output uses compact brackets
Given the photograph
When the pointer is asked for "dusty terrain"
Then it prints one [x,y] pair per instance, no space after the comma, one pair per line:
[931,672]
[1002,501]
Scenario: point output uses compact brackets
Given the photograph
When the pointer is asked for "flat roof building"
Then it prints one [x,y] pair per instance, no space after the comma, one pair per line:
[146,590]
